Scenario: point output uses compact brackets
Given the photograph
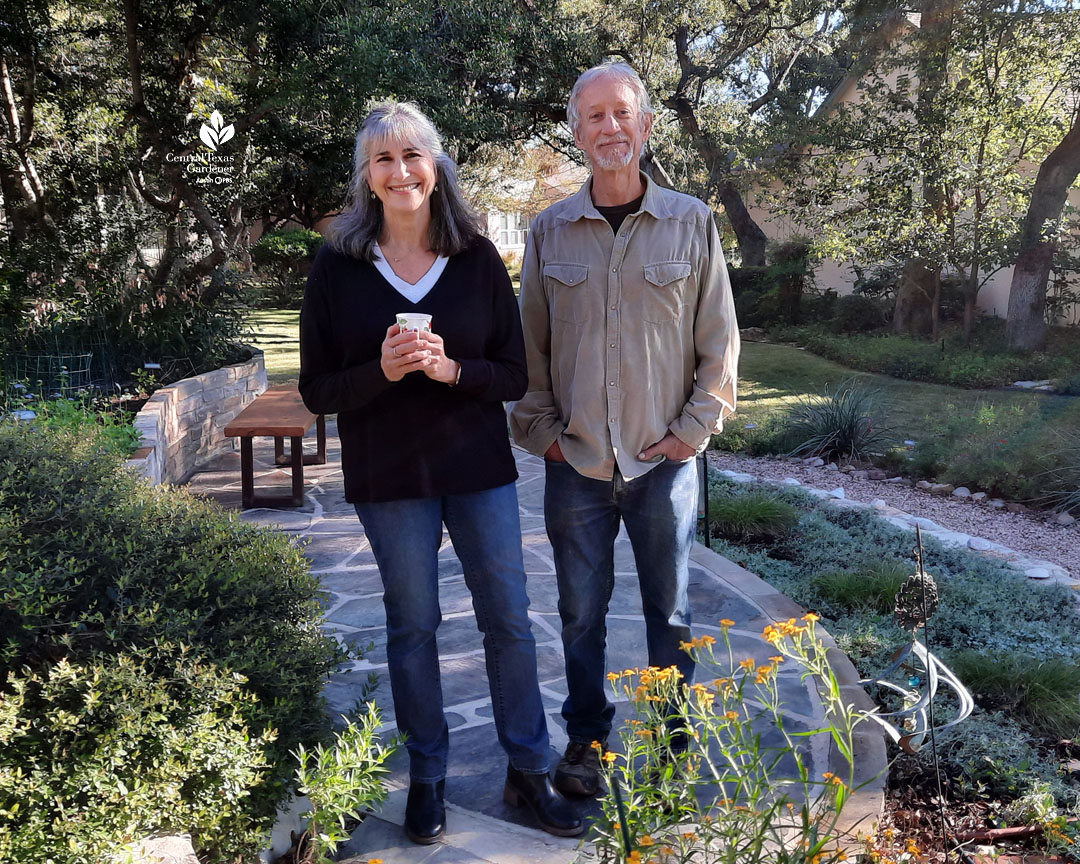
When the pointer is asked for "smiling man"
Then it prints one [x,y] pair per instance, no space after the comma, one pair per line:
[632,348]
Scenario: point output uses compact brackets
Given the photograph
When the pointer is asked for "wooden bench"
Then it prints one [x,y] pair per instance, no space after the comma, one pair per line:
[280,413]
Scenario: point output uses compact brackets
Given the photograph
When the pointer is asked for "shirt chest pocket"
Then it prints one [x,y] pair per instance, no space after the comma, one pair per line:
[567,286]
[665,291]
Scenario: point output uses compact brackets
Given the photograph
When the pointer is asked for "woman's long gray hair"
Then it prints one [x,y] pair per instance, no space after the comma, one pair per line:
[454,223]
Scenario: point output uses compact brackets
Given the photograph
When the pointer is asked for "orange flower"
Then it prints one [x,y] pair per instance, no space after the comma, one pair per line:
[726,622]
[748,664]
[811,617]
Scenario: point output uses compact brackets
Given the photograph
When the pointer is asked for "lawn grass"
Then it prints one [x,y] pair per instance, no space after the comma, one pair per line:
[774,377]
[277,333]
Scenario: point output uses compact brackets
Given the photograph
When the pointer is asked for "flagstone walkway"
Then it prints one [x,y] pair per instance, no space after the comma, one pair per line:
[481,828]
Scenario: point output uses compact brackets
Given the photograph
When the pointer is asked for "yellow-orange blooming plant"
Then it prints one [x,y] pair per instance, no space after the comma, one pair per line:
[729,797]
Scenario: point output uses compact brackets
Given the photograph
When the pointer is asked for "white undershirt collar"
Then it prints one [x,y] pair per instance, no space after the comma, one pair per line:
[411,292]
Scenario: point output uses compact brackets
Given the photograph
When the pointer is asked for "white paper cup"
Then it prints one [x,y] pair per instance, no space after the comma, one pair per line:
[413,321]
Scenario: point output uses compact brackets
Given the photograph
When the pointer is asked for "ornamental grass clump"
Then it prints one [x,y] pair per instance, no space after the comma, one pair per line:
[750,516]
[841,424]
[730,796]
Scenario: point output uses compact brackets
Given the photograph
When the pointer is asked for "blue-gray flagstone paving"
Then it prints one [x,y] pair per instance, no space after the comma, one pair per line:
[481,828]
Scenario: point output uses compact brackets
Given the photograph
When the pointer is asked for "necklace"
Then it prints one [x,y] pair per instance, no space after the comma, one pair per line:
[412,252]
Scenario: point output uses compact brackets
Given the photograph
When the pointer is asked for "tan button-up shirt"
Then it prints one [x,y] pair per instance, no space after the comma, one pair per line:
[627,335]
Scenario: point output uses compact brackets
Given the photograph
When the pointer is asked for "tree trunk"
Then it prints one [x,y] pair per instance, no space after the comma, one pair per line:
[917,299]
[748,234]
[969,316]
[1025,328]
[13,208]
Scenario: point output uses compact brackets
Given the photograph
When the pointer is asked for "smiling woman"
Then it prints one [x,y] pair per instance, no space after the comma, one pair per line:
[424,443]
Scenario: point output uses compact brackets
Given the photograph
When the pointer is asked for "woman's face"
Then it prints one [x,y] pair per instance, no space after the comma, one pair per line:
[402,176]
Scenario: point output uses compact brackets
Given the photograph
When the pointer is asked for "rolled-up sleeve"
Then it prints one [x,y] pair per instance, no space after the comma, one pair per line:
[534,420]
[716,347]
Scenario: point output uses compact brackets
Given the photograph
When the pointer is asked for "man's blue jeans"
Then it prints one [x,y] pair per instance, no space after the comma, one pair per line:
[659,510]
[486,533]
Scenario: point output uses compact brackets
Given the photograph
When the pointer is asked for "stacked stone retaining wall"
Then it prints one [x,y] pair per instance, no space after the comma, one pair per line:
[183,425]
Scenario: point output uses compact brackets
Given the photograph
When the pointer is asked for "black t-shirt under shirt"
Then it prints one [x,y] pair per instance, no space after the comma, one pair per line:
[616,214]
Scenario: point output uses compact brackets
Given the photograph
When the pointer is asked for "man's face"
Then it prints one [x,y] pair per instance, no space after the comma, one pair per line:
[612,128]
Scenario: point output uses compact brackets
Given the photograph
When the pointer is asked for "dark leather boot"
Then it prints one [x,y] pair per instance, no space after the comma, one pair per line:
[425,812]
[555,814]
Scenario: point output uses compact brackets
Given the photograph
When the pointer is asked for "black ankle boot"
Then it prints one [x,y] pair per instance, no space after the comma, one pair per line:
[555,814]
[425,812]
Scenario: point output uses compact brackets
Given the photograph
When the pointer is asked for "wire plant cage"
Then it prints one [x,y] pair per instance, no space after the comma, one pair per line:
[50,374]
[59,364]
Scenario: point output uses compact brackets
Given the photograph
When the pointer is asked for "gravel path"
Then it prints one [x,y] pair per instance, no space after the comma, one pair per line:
[1031,533]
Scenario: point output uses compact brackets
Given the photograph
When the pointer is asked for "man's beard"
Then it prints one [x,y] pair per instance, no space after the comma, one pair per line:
[615,159]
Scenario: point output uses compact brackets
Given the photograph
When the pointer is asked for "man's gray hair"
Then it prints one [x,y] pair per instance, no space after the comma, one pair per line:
[621,72]
[454,223]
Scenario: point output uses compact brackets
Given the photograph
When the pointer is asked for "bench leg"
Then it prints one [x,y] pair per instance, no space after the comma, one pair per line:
[279,451]
[296,449]
[320,437]
[247,473]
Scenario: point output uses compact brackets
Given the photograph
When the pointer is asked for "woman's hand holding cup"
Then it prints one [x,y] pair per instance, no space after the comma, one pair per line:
[442,368]
[405,352]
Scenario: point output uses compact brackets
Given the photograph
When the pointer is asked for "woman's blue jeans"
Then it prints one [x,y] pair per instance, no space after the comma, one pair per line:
[659,510]
[486,533]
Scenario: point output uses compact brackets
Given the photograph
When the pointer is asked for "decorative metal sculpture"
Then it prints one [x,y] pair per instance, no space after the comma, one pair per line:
[916,601]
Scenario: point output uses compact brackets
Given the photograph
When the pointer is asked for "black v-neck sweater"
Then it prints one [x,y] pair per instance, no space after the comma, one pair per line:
[414,438]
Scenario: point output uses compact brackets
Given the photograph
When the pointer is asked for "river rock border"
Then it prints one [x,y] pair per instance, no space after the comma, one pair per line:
[1033,568]
[183,425]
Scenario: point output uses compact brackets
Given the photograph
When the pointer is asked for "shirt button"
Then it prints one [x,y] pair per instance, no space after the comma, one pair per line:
[612,307]
[614,269]
[612,344]
[611,383]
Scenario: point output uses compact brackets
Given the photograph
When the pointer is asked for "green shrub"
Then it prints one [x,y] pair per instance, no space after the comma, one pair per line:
[1069,385]
[282,258]
[855,313]
[880,283]
[768,438]
[1044,696]
[753,279]
[750,516]
[341,782]
[98,755]
[127,322]
[78,416]
[790,274]
[990,448]
[948,361]
[871,588]
[97,563]
[993,759]
[840,424]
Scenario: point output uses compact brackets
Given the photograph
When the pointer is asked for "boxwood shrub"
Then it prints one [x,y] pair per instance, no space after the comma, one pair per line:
[220,622]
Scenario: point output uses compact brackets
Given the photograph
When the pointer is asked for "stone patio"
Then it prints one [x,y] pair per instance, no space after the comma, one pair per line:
[481,828]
